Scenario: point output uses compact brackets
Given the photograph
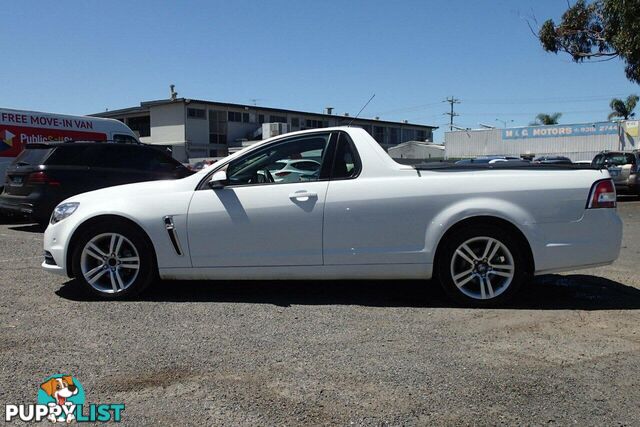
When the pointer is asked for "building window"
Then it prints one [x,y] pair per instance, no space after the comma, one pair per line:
[421,135]
[393,136]
[278,119]
[217,127]
[313,124]
[196,113]
[234,116]
[408,135]
[378,134]
[260,118]
[245,117]
[141,125]
[295,122]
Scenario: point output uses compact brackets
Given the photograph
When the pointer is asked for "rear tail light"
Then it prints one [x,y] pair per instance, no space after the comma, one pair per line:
[41,178]
[603,195]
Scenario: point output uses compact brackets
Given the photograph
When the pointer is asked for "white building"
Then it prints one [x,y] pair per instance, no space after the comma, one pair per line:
[196,128]
[416,150]
[576,141]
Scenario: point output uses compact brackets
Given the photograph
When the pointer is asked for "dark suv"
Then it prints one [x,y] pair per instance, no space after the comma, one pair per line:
[43,175]
[624,168]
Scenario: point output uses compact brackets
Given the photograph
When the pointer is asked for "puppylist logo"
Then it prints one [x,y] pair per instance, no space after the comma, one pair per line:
[61,398]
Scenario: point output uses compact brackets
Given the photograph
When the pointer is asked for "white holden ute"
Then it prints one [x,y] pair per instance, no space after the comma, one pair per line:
[481,230]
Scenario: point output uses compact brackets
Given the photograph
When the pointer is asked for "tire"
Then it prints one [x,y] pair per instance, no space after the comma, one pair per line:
[487,276]
[114,260]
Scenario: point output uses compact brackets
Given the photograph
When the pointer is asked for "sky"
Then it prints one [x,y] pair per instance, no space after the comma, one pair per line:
[82,57]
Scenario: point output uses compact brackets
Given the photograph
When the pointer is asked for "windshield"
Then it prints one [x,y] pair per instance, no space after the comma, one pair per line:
[615,159]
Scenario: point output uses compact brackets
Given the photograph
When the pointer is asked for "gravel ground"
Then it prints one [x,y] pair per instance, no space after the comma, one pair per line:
[567,351]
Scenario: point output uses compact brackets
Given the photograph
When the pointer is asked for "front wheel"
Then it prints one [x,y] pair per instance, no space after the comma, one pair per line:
[481,266]
[113,261]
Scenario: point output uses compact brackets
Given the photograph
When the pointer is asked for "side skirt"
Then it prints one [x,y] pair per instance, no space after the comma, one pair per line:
[305,272]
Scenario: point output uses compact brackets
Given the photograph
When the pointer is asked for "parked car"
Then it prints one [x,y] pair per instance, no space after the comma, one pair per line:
[292,170]
[482,232]
[553,160]
[45,174]
[623,167]
[18,128]
[489,160]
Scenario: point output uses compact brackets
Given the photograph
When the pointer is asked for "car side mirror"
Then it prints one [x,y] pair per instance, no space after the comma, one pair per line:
[218,180]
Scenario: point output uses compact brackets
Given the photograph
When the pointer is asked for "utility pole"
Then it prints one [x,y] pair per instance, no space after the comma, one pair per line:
[451,114]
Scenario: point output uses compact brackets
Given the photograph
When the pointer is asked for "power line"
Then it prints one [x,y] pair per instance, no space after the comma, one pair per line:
[408,109]
[451,114]
[555,100]
[510,101]
[510,113]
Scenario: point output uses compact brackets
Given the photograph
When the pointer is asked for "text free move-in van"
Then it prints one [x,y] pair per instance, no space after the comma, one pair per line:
[18,128]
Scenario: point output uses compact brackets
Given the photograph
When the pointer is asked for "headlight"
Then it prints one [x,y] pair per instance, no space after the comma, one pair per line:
[63,211]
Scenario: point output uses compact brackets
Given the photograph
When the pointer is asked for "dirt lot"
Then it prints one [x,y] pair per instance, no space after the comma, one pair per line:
[567,351]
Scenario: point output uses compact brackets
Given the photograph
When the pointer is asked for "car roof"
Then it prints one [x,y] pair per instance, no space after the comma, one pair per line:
[620,152]
[44,145]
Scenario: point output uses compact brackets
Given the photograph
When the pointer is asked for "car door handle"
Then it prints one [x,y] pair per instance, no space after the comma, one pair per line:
[303,195]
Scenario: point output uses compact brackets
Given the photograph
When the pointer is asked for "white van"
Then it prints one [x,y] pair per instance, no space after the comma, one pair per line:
[18,128]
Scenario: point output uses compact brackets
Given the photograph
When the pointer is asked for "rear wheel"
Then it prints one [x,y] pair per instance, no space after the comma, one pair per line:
[481,266]
[114,261]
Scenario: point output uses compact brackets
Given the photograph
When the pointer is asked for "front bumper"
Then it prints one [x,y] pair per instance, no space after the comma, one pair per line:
[55,269]
[56,241]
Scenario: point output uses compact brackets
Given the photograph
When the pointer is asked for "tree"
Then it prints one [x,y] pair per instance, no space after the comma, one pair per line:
[546,119]
[602,29]
[623,109]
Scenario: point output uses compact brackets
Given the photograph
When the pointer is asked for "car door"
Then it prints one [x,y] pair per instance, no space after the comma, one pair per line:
[370,219]
[254,220]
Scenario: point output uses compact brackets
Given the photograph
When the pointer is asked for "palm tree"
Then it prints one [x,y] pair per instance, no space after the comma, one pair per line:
[624,109]
[546,119]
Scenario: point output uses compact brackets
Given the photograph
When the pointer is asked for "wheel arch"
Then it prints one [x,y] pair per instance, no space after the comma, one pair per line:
[482,220]
[92,222]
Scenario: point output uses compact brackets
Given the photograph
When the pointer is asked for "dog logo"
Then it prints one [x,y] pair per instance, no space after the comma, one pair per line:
[61,399]
[64,392]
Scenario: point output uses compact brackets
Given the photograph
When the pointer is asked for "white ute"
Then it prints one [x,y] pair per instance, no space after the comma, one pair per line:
[482,231]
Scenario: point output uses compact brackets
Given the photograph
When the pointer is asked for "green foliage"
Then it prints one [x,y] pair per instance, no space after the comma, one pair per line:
[546,119]
[623,109]
[600,29]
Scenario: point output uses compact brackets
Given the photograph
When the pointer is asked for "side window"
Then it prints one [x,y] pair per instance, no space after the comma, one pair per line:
[307,165]
[115,157]
[598,161]
[157,161]
[631,159]
[120,138]
[346,164]
[69,155]
[276,162]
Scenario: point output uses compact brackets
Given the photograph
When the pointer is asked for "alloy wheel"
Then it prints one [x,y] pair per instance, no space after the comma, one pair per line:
[110,263]
[482,268]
